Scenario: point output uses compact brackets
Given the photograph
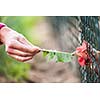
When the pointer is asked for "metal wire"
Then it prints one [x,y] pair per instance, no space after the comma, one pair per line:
[90,33]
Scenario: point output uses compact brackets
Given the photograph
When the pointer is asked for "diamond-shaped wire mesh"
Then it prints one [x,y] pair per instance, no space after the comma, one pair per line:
[90,33]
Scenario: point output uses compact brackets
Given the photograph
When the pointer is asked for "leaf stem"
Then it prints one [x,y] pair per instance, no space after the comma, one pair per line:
[73,53]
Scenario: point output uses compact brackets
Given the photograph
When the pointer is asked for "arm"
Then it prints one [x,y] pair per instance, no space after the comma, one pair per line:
[16,45]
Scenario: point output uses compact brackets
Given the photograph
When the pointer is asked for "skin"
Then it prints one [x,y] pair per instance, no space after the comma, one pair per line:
[16,45]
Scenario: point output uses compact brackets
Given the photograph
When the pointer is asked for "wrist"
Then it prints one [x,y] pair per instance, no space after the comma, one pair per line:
[1,26]
[4,31]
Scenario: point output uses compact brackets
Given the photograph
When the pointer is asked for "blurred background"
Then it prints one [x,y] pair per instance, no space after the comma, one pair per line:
[50,32]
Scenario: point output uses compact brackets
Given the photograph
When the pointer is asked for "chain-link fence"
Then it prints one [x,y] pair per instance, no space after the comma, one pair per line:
[90,32]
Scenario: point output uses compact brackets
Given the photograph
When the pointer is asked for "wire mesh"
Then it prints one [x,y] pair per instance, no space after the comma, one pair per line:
[90,32]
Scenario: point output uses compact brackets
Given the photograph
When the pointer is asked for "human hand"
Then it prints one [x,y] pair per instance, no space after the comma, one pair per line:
[17,46]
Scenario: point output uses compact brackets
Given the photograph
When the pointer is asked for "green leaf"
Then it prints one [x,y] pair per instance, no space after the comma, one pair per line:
[63,57]
[45,53]
[60,56]
[51,55]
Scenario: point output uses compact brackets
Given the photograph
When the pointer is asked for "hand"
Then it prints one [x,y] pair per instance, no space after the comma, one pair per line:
[17,46]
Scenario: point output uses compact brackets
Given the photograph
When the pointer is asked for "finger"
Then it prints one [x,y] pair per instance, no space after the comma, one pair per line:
[23,40]
[22,47]
[19,58]
[19,53]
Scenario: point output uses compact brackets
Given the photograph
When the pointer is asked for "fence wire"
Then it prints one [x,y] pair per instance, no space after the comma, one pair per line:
[90,32]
